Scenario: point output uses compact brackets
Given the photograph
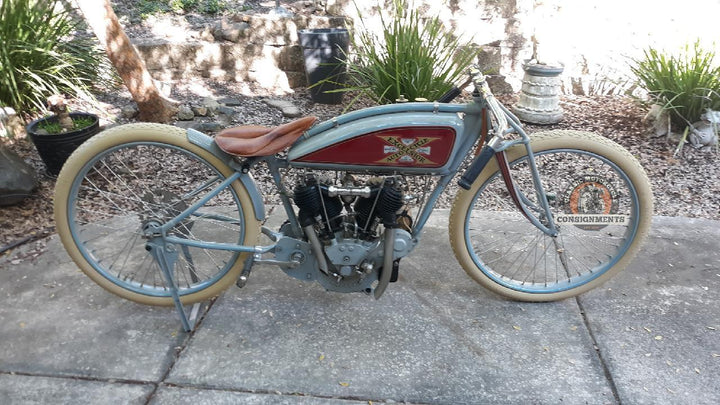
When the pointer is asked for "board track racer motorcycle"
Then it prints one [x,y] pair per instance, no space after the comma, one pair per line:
[162,215]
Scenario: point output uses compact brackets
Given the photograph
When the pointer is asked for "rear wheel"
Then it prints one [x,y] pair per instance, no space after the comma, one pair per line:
[600,200]
[135,176]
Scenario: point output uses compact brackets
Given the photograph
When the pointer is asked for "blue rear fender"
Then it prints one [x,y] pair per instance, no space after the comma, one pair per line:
[206,142]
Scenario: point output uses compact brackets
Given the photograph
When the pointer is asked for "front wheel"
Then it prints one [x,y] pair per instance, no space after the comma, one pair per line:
[601,204]
[136,176]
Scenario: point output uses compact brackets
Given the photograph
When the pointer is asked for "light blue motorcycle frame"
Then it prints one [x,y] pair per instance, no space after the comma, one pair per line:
[467,119]
[359,123]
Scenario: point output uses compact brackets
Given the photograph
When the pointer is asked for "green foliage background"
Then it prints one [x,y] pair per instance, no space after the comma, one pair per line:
[40,55]
[415,57]
[686,83]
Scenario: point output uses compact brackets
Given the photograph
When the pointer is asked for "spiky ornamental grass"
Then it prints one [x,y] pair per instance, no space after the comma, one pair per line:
[415,57]
[685,84]
[40,56]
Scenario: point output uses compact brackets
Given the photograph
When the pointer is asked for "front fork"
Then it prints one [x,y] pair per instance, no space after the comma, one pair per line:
[521,201]
[496,147]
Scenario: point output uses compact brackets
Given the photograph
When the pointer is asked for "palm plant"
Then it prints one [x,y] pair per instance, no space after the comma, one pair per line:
[40,55]
[415,57]
[685,84]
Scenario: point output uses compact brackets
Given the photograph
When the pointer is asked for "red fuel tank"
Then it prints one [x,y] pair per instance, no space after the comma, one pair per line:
[412,146]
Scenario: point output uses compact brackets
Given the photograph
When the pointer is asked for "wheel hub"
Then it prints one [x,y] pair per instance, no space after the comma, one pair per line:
[160,207]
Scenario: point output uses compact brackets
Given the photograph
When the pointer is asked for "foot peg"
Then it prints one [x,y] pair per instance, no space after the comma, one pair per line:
[243,279]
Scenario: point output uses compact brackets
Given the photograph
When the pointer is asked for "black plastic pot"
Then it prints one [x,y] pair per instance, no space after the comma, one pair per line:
[325,50]
[56,149]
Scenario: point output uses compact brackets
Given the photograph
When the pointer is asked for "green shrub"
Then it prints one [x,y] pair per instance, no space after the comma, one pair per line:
[182,5]
[40,55]
[415,57]
[686,84]
[147,8]
[212,6]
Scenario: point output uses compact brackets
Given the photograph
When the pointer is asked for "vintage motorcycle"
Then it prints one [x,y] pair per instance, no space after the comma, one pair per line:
[161,215]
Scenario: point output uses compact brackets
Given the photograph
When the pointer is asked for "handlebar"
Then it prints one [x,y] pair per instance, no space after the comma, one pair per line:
[479,80]
[489,149]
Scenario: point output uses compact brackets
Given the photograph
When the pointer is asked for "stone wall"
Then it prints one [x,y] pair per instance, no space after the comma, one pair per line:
[245,47]
[594,39]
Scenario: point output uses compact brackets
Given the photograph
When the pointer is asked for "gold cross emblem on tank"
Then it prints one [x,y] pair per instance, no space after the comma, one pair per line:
[405,150]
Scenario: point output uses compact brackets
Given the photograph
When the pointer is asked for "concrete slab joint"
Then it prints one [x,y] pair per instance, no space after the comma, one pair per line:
[648,336]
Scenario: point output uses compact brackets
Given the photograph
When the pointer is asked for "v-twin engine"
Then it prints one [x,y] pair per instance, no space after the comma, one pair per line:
[355,229]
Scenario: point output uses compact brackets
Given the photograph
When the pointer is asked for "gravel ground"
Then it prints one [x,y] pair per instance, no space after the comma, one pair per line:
[686,185]
[683,185]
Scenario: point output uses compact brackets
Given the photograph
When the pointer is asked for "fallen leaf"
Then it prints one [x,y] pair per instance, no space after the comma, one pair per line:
[517,327]
[658,337]
[344,384]
[573,328]
[322,357]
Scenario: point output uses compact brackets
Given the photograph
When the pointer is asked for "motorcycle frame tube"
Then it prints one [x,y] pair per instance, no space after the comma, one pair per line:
[473,119]
[471,129]
[521,202]
[383,110]
[208,143]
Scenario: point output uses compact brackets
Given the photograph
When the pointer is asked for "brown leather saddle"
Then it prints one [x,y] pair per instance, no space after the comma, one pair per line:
[257,140]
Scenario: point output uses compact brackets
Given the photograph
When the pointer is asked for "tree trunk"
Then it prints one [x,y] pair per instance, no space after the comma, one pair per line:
[152,105]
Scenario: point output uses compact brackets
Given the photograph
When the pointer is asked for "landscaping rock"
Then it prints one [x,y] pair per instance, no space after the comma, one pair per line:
[230,102]
[200,111]
[288,109]
[4,131]
[129,111]
[17,178]
[208,34]
[702,133]
[185,113]
[233,32]
[225,110]
[10,123]
[208,127]
[659,120]
[211,104]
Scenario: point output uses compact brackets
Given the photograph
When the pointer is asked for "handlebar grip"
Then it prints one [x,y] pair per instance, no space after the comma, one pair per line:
[449,95]
[476,167]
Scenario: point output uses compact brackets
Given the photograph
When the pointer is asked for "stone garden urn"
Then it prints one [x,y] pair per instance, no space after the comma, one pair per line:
[539,101]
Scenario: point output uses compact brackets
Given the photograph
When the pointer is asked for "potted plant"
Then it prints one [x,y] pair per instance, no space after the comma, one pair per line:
[57,136]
